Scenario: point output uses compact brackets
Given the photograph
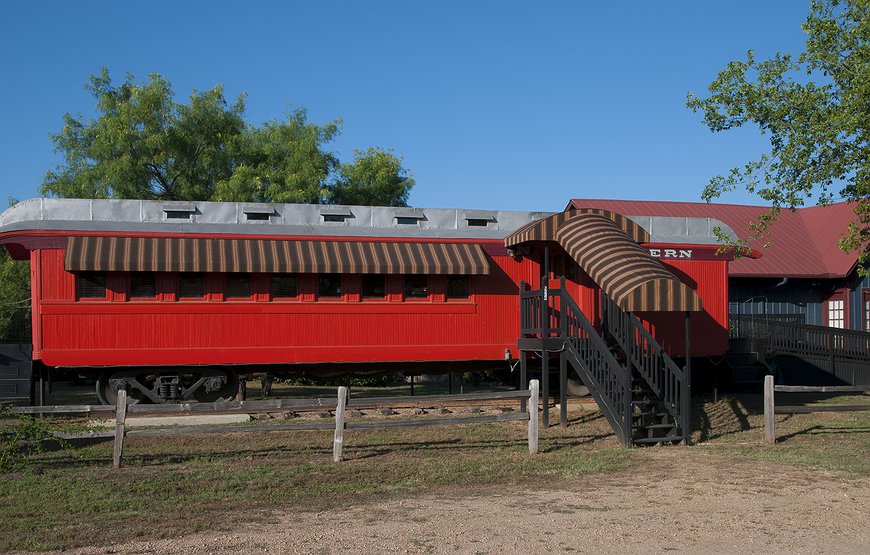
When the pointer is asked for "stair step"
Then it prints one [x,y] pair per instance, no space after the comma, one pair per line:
[657,439]
[658,426]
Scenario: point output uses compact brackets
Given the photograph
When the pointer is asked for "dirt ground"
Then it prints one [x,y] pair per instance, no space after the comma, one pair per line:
[674,501]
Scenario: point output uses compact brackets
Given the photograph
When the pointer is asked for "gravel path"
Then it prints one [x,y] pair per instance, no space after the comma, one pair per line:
[674,503]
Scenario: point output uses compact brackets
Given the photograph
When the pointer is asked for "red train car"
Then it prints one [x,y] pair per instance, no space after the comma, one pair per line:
[173,299]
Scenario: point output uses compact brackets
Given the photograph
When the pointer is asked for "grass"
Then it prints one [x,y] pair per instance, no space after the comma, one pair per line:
[174,485]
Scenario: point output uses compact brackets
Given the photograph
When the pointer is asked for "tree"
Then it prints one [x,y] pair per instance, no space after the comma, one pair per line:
[14,297]
[374,177]
[816,110]
[143,144]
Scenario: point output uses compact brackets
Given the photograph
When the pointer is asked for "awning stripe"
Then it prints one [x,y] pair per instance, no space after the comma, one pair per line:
[605,245]
[176,254]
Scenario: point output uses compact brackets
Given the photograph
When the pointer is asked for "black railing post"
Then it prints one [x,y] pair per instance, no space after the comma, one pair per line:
[629,344]
[524,383]
[563,361]
[687,384]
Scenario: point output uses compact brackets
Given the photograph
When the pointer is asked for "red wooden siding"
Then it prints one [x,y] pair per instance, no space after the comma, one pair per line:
[163,331]
[709,279]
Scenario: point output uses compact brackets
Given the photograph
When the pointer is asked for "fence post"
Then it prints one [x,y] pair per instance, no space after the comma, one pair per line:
[769,416]
[533,416]
[338,441]
[120,424]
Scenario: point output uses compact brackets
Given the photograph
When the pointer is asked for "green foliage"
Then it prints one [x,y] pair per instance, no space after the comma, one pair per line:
[20,438]
[14,298]
[375,177]
[815,109]
[143,144]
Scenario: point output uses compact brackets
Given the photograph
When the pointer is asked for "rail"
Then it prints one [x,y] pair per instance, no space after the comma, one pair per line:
[803,339]
[667,380]
[609,383]
[339,404]
[771,409]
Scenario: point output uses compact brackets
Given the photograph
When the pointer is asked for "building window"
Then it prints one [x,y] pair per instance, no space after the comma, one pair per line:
[329,286]
[284,286]
[837,313]
[866,294]
[416,287]
[143,285]
[191,285]
[92,285]
[238,286]
[457,287]
[373,286]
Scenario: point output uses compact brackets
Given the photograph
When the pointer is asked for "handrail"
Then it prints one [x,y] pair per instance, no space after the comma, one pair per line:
[667,380]
[610,384]
[601,372]
[801,338]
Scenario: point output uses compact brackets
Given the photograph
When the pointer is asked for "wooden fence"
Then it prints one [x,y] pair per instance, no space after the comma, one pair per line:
[340,404]
[771,409]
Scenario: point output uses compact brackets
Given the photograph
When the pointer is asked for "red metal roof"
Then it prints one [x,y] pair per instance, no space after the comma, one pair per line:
[803,242]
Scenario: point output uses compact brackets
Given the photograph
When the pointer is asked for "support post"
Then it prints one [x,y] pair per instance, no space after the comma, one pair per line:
[769,416]
[412,385]
[338,441]
[120,424]
[563,360]
[533,417]
[628,409]
[563,389]
[524,367]
[687,379]
[450,382]
[545,388]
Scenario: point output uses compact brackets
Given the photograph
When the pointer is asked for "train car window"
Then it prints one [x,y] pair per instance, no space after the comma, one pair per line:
[457,287]
[477,222]
[91,285]
[416,287]
[191,285]
[284,286]
[328,286]
[401,220]
[238,286]
[373,286]
[143,285]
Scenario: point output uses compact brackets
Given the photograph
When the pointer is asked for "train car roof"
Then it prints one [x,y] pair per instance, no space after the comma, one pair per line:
[237,218]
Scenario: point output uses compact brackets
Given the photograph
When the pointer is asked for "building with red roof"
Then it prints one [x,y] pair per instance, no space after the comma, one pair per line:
[802,271]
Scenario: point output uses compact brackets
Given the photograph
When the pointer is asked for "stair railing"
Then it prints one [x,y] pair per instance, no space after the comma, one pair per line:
[667,380]
[608,381]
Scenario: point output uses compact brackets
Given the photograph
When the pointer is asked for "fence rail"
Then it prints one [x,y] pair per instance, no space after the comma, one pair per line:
[771,409]
[340,404]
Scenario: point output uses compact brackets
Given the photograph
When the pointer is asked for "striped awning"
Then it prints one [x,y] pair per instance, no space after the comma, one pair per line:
[605,245]
[188,254]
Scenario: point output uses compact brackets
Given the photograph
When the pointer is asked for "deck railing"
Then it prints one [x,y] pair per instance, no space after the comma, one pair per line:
[667,380]
[789,337]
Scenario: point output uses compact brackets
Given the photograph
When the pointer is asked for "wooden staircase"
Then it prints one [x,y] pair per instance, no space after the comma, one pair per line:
[641,392]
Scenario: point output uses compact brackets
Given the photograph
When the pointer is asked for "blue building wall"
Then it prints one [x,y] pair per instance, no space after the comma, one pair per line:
[796,296]
[856,301]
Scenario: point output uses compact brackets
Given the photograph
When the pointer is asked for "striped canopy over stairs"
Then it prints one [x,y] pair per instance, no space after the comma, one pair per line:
[605,245]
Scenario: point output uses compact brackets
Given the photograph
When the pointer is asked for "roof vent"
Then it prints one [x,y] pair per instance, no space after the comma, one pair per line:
[335,215]
[258,212]
[178,210]
[479,218]
[408,216]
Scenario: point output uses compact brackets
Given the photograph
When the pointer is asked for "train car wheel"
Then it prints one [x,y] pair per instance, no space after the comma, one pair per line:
[219,385]
[110,381]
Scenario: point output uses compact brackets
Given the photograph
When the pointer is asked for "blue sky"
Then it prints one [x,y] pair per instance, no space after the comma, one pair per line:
[500,105]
